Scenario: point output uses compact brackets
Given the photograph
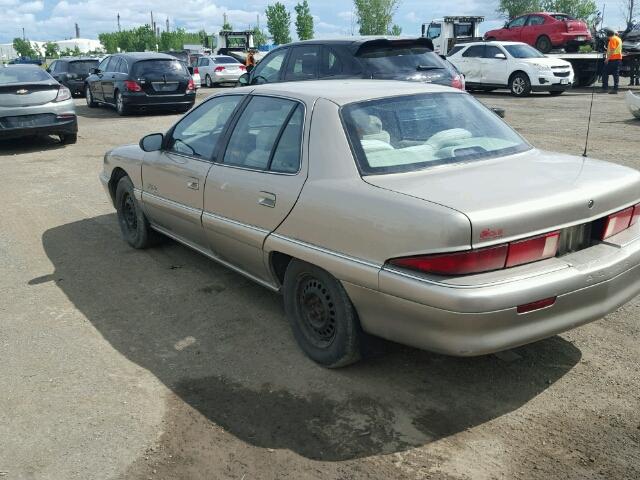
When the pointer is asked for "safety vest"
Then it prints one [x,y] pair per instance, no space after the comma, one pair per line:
[614,51]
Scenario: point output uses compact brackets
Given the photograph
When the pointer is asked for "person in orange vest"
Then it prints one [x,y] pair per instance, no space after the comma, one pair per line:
[250,61]
[612,61]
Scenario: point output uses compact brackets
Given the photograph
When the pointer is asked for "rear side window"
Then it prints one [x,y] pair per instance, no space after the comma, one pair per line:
[303,63]
[535,20]
[455,50]
[394,58]
[561,17]
[518,22]
[267,136]
[159,68]
[475,51]
[82,67]
[110,66]
[491,51]
[331,64]
[103,64]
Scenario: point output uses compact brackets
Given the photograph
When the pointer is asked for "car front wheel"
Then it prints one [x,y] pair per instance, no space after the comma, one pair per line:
[132,220]
[89,97]
[520,85]
[323,319]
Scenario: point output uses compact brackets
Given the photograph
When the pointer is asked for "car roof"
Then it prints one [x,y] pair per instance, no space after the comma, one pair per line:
[343,92]
[146,56]
[491,42]
[356,41]
[76,59]
[21,65]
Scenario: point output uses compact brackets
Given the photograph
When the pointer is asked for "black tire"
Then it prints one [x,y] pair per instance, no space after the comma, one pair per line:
[572,48]
[69,138]
[89,97]
[121,108]
[324,322]
[543,43]
[519,84]
[133,222]
[207,81]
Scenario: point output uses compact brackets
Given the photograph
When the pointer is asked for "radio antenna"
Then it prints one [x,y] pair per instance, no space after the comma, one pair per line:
[593,85]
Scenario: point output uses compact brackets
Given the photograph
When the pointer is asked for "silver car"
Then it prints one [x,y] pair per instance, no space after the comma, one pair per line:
[217,69]
[32,102]
[407,211]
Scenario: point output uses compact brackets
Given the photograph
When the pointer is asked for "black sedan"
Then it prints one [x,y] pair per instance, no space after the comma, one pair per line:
[140,82]
[72,72]
[383,58]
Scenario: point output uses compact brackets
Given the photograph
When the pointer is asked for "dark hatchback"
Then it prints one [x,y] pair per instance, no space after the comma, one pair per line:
[140,82]
[384,58]
[72,72]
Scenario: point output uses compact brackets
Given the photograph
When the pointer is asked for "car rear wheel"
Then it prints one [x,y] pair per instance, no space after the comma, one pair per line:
[208,82]
[520,85]
[323,319]
[69,138]
[133,222]
[543,44]
[121,108]
[89,97]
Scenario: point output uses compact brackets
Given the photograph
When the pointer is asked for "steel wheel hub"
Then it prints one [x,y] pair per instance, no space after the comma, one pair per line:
[318,312]
[129,212]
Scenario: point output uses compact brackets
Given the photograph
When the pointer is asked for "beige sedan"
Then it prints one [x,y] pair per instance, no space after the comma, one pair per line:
[405,211]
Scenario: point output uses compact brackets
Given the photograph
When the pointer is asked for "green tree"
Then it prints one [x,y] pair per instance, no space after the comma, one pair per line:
[278,23]
[227,27]
[77,52]
[583,9]
[396,30]
[514,8]
[23,47]
[375,16]
[304,21]
[51,50]
[259,38]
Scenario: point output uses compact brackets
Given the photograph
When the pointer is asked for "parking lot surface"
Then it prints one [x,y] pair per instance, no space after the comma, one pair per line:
[126,364]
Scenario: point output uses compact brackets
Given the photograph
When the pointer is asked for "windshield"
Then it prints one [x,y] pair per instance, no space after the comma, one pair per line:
[10,75]
[159,68]
[83,66]
[522,51]
[414,132]
[389,59]
[434,30]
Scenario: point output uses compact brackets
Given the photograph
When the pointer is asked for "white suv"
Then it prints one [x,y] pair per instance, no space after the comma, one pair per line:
[513,65]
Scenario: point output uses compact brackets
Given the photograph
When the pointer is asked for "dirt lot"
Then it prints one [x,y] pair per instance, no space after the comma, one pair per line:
[159,364]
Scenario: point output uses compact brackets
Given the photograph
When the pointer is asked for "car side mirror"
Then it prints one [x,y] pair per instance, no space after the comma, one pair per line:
[501,56]
[95,71]
[152,143]
[506,25]
[244,79]
[499,111]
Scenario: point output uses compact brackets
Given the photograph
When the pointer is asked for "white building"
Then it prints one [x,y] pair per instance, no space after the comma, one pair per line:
[84,45]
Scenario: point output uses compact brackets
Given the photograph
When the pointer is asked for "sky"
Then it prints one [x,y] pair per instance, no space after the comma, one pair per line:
[45,20]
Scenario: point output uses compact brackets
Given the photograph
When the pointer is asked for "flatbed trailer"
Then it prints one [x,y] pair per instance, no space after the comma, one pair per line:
[588,66]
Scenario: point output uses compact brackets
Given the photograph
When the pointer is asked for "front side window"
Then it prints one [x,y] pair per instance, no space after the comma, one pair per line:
[491,52]
[523,51]
[518,22]
[268,70]
[267,136]
[103,64]
[303,64]
[198,133]
[415,132]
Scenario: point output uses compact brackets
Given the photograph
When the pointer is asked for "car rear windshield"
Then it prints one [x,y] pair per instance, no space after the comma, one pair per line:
[414,132]
[523,51]
[82,66]
[10,75]
[562,16]
[158,68]
[226,60]
[389,59]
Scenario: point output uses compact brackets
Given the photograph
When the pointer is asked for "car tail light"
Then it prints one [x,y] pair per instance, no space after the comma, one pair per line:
[636,215]
[459,263]
[196,71]
[219,69]
[242,67]
[132,86]
[533,249]
[617,222]
[457,82]
[537,305]
[191,85]
[63,94]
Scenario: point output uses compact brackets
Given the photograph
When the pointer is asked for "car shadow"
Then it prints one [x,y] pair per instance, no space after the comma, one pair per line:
[222,345]
[105,111]
[31,144]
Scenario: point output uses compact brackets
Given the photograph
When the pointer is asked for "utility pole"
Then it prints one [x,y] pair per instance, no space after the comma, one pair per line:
[77,31]
[167,24]
[23,35]
[119,22]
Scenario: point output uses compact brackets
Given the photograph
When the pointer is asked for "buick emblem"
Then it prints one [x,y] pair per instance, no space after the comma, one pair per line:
[22,91]
[591,204]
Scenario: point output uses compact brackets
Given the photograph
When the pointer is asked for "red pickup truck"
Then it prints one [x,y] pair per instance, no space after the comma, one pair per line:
[544,31]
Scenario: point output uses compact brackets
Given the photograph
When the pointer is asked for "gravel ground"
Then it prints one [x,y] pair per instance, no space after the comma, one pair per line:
[159,364]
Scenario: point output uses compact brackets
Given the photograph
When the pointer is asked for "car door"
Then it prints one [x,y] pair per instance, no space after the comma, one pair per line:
[256,184]
[204,68]
[303,63]
[514,29]
[271,68]
[108,79]
[95,84]
[533,28]
[174,178]
[494,66]
[470,64]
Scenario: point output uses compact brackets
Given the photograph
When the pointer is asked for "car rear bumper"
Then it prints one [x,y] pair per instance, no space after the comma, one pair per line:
[221,77]
[477,320]
[571,39]
[61,126]
[142,100]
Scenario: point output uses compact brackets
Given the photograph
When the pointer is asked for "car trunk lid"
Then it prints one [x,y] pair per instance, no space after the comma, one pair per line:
[576,26]
[523,194]
[28,94]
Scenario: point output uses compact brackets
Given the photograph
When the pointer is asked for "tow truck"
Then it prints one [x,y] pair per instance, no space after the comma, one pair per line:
[449,31]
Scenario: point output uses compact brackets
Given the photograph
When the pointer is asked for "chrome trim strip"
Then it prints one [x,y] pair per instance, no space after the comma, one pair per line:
[173,203]
[328,252]
[234,222]
[212,256]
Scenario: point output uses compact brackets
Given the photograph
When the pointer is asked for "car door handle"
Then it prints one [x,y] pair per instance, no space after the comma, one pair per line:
[193,184]
[267,199]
